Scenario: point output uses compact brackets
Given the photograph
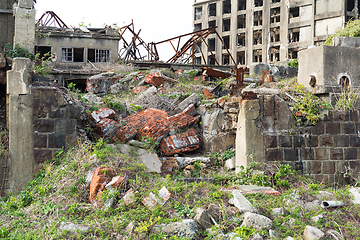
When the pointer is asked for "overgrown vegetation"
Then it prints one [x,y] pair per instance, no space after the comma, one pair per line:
[352,29]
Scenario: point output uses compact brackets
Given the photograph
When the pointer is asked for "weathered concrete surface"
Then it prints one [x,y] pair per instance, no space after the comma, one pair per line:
[249,139]
[256,221]
[278,71]
[187,228]
[346,41]
[7,23]
[20,124]
[329,64]
[25,24]
[312,233]
[241,202]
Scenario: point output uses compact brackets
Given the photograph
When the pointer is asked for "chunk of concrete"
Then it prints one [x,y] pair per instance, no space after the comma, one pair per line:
[241,202]
[203,218]
[151,160]
[262,91]
[256,221]
[278,71]
[73,228]
[278,212]
[356,194]
[230,163]
[313,233]
[129,197]
[89,175]
[187,229]
[192,99]
[246,189]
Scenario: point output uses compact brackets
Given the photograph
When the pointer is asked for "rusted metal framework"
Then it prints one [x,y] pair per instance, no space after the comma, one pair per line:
[130,50]
[50,19]
[187,51]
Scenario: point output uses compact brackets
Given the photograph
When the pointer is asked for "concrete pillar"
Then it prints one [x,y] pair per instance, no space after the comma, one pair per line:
[20,124]
[249,140]
[25,24]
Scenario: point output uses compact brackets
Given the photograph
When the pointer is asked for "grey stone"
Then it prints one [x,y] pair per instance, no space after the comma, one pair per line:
[310,206]
[110,201]
[89,175]
[203,218]
[356,194]
[145,95]
[262,91]
[289,238]
[230,163]
[73,228]
[257,237]
[317,218]
[256,221]
[130,227]
[151,160]
[291,222]
[273,234]
[241,202]
[138,144]
[323,195]
[277,212]
[346,42]
[231,236]
[186,228]
[185,161]
[312,233]
[92,98]
[192,99]
[26,3]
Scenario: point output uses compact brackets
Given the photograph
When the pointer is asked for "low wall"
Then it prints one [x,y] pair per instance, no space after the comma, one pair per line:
[322,151]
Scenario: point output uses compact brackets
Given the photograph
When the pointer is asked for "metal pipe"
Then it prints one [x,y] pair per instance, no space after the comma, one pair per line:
[327,204]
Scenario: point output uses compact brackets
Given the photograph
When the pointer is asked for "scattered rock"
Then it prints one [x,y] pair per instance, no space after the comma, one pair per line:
[192,99]
[257,237]
[89,176]
[312,233]
[256,221]
[151,160]
[230,164]
[153,200]
[262,91]
[202,218]
[323,195]
[356,194]
[246,189]
[129,197]
[130,228]
[186,228]
[291,222]
[241,202]
[310,206]
[317,218]
[273,234]
[73,228]
[278,212]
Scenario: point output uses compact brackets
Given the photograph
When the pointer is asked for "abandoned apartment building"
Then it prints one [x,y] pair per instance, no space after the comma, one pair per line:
[267,31]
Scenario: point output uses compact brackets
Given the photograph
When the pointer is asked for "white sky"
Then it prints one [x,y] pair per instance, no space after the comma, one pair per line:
[158,19]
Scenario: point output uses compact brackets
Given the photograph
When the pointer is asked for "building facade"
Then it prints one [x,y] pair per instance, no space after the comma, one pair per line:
[267,31]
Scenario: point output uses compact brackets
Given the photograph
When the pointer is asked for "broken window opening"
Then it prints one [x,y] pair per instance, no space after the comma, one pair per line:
[211,43]
[211,60]
[344,82]
[275,15]
[275,34]
[198,13]
[197,48]
[275,1]
[258,18]
[198,60]
[257,37]
[72,54]
[241,5]
[258,3]
[294,12]
[241,21]
[197,27]
[350,5]
[226,40]
[293,53]
[258,55]
[99,55]
[226,59]
[241,39]
[226,25]
[226,6]
[274,54]
[44,51]
[294,35]
[212,10]
[241,58]
[212,24]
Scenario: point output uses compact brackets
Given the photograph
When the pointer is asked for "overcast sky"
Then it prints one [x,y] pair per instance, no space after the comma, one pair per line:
[157,19]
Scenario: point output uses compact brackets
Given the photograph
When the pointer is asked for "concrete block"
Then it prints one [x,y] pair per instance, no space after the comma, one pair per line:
[356,194]
[241,202]
[312,233]
[202,218]
[73,228]
[187,229]
[192,99]
[230,164]
[26,4]
[25,27]
[18,79]
[256,221]
[129,197]
[246,189]
[151,160]
[353,42]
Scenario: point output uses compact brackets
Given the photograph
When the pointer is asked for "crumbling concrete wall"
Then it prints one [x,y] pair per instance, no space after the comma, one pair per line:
[268,134]
[24,33]
[7,22]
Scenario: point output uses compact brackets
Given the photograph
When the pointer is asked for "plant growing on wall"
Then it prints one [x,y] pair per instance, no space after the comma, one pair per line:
[352,29]
[17,51]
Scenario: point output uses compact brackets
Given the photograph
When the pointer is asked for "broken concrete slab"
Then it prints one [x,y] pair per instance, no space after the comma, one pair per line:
[258,222]
[241,202]
[96,116]
[277,71]
[261,91]
[73,228]
[89,176]
[230,163]
[101,83]
[192,99]
[202,218]
[129,197]
[356,194]
[187,229]
[152,200]
[150,160]
[246,189]
[313,233]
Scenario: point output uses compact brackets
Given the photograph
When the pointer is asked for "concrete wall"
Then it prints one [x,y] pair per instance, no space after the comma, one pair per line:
[328,27]
[58,41]
[7,22]
[322,150]
[328,6]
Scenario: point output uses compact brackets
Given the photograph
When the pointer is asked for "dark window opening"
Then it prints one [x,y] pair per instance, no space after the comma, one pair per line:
[197,48]
[294,35]
[344,82]
[241,58]
[99,55]
[226,6]
[226,25]
[78,55]
[197,27]
[241,21]
[211,60]
[274,54]
[212,9]
[276,1]
[211,43]
[350,5]
[241,5]
[275,15]
[257,37]
[293,54]
[226,59]
[258,55]
[198,13]
[72,54]
[226,40]
[241,39]
[258,3]
[294,12]
[44,51]
[258,18]
[275,34]
[212,24]
[198,60]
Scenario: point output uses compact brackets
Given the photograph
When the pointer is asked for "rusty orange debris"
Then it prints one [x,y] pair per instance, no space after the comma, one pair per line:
[207,93]
[180,143]
[139,89]
[96,116]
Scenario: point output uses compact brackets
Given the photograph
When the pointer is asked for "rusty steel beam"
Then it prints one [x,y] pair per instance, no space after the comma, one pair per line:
[210,72]
[267,77]
[50,18]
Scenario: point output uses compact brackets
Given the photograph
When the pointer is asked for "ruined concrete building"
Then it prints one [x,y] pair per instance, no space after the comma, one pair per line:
[74,47]
[268,31]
